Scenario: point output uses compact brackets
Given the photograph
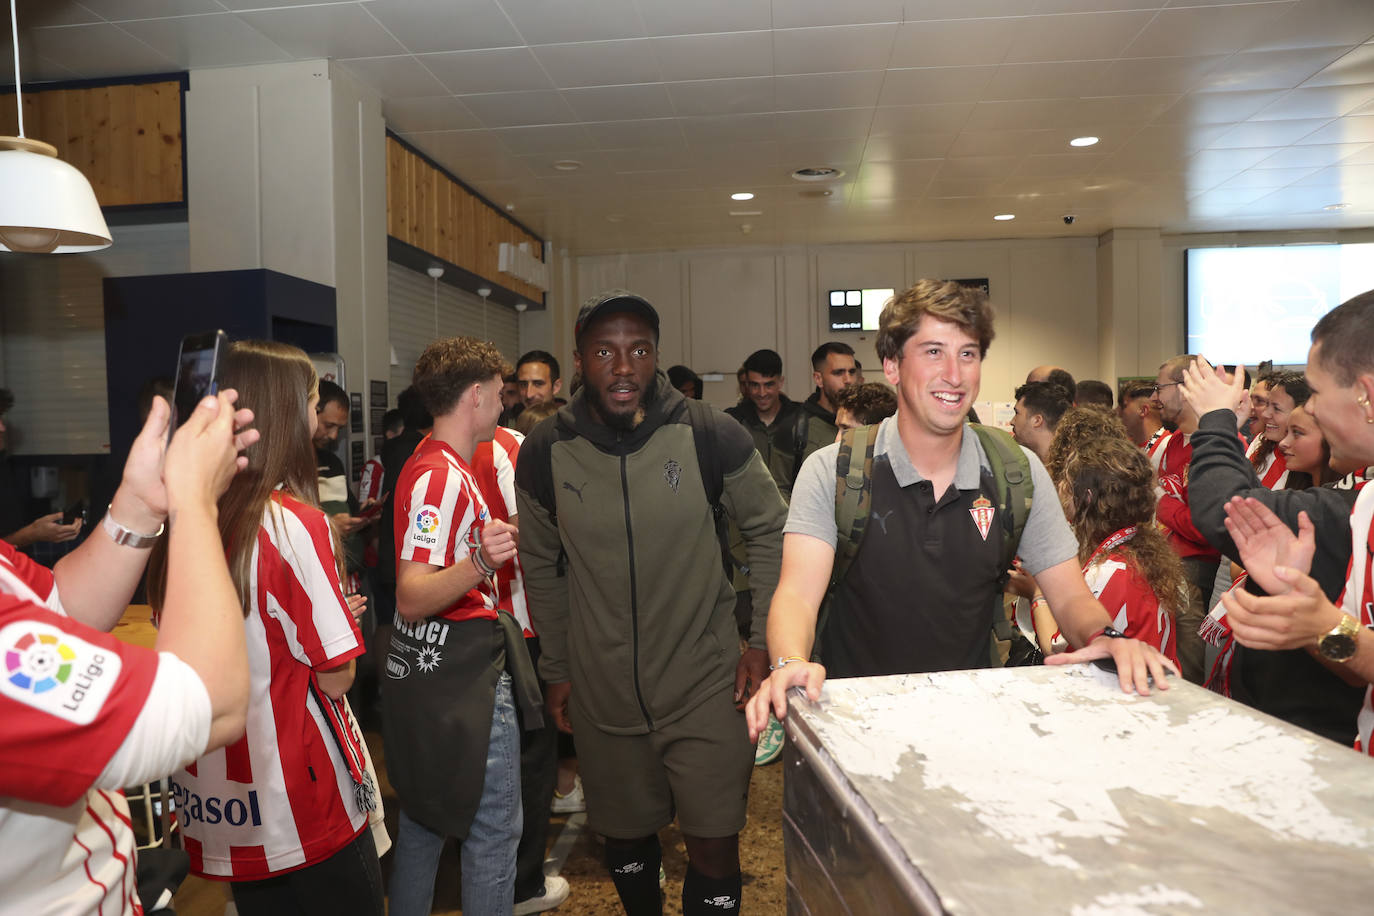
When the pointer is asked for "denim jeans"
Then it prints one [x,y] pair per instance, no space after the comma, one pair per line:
[488,854]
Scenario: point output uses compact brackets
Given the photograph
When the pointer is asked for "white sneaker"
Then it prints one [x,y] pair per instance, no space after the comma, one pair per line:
[556,891]
[572,803]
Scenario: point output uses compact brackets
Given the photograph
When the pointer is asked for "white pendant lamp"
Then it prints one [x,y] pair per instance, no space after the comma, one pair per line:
[46,205]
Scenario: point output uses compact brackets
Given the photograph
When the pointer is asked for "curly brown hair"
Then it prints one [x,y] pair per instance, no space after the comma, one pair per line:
[870,402]
[450,366]
[1108,484]
[943,300]
[1080,425]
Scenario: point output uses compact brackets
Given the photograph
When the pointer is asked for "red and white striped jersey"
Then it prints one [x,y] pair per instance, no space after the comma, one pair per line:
[1135,610]
[1154,448]
[281,797]
[69,696]
[370,483]
[1273,471]
[440,515]
[493,464]
[1358,598]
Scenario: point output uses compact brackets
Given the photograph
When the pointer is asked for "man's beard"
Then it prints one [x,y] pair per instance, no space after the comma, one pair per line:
[624,420]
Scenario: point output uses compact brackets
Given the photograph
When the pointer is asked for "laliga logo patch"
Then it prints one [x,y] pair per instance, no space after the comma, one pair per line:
[425,525]
[56,672]
[982,513]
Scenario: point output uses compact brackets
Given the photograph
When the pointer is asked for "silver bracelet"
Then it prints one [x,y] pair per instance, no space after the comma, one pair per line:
[127,536]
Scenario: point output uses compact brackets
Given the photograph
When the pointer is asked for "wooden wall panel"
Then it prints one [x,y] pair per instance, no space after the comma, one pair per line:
[126,138]
[427,209]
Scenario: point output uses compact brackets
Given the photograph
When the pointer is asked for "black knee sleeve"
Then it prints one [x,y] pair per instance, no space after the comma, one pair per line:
[714,896]
[634,865]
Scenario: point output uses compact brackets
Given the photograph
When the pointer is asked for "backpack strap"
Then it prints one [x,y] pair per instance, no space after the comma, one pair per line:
[853,495]
[703,423]
[1012,477]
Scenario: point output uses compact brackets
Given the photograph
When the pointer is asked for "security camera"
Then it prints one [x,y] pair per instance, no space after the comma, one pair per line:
[1069,218]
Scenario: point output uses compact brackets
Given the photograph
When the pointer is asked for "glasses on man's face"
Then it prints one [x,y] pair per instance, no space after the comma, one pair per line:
[1154,389]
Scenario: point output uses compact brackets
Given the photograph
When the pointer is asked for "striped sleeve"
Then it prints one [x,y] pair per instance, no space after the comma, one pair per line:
[305,595]
[36,576]
[440,515]
[506,448]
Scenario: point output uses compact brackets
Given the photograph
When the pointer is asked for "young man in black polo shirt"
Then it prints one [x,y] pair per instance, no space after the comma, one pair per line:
[919,594]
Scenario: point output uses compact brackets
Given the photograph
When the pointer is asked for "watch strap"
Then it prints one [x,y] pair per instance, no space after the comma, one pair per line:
[127,537]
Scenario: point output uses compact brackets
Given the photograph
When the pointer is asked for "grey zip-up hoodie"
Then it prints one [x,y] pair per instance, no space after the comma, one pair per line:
[642,623]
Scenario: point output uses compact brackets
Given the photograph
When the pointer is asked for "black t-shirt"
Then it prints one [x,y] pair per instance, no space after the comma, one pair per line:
[902,607]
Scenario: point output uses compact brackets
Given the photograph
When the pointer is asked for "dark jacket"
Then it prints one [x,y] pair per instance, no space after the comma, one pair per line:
[817,427]
[642,622]
[776,442]
[1290,685]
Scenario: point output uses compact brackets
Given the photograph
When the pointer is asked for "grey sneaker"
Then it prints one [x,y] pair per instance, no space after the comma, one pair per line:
[556,891]
[572,803]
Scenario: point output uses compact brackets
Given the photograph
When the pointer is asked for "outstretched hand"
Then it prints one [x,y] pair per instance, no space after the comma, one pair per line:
[1207,389]
[1267,545]
[1137,663]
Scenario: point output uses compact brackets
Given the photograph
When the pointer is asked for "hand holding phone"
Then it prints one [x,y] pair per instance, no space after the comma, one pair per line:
[198,372]
[76,510]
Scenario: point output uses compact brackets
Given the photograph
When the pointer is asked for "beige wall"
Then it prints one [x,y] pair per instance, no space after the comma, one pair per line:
[286,165]
[718,306]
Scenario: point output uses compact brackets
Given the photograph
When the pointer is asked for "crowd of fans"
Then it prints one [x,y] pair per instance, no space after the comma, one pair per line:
[634,570]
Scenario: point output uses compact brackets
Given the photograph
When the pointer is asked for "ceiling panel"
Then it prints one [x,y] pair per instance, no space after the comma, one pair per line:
[494,70]
[603,103]
[541,22]
[834,49]
[1210,114]
[453,25]
[395,77]
[325,31]
[600,63]
[702,16]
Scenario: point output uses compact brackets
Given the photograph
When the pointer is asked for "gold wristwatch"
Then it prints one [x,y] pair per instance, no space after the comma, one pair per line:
[1338,645]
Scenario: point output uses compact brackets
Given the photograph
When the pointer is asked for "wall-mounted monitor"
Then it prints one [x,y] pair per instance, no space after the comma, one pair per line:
[857,309]
[1257,303]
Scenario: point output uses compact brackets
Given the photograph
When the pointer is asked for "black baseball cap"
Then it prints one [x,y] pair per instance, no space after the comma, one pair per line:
[610,302]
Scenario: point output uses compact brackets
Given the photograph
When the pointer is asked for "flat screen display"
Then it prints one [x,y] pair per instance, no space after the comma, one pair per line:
[857,309]
[1251,304]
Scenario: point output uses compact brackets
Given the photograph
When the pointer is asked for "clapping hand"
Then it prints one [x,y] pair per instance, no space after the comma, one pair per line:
[1207,389]
[1267,545]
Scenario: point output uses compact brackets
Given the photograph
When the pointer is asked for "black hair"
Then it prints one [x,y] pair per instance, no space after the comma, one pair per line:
[1047,399]
[541,356]
[331,393]
[765,362]
[681,375]
[393,421]
[830,346]
[413,410]
[1092,393]
[1063,379]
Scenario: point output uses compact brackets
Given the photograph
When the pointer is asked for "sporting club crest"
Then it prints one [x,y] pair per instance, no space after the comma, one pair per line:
[982,513]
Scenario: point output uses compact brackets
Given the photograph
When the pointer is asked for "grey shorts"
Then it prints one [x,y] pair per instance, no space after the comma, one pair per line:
[697,767]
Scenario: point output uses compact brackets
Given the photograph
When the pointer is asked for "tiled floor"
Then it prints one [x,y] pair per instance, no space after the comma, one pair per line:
[592,892]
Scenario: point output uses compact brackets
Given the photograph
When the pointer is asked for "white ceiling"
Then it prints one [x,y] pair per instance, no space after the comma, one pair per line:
[1212,115]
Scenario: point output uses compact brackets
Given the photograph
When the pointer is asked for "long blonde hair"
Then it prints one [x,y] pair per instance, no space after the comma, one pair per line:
[276,381]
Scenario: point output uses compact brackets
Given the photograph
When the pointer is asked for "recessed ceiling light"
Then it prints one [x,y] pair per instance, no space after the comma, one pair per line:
[1336,207]
[742,195]
[1005,216]
[1083,141]
[818,173]
[615,218]
[567,165]
[746,213]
